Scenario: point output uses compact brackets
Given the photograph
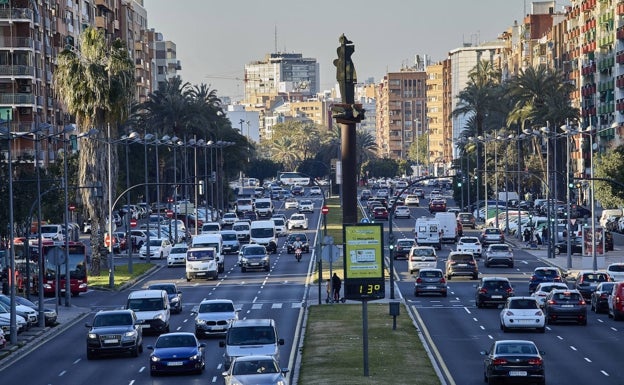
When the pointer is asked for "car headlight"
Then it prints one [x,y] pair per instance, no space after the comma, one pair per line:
[92,336]
[160,316]
[200,321]
[130,334]
[266,259]
[175,299]
[196,357]
[244,260]
[154,358]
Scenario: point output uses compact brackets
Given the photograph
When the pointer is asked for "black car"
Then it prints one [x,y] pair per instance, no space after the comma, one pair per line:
[587,281]
[565,305]
[255,257]
[403,247]
[114,332]
[545,274]
[513,360]
[493,291]
[175,295]
[576,246]
[600,297]
[292,237]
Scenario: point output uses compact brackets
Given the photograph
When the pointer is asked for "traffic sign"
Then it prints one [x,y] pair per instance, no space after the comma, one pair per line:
[133,222]
[169,214]
[330,253]
[364,220]
[324,210]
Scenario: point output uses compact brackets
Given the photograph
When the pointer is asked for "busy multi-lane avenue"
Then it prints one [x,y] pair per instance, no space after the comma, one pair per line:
[453,327]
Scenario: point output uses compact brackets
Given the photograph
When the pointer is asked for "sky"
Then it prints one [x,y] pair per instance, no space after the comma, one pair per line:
[216,38]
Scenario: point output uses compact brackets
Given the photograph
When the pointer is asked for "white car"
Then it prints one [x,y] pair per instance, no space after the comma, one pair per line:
[306,206]
[316,190]
[542,290]
[470,245]
[412,200]
[228,219]
[522,313]
[298,221]
[214,317]
[616,271]
[159,248]
[402,212]
[291,203]
[177,256]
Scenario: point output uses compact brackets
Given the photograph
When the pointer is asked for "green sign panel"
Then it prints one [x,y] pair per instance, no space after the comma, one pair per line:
[364,262]
[6,113]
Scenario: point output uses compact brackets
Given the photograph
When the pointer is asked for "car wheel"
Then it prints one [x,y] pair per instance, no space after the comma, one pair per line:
[135,351]
[161,255]
[479,304]
[511,265]
[505,328]
[593,307]
[415,293]
[243,269]
[90,355]
[449,277]
[476,276]
[444,294]
[583,322]
[542,329]
[557,250]
[141,347]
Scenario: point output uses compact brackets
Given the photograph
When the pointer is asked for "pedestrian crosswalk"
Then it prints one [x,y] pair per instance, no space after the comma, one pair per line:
[268,305]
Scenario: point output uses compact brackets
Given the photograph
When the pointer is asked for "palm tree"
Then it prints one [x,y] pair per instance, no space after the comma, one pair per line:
[96,83]
[542,96]
[285,151]
[366,148]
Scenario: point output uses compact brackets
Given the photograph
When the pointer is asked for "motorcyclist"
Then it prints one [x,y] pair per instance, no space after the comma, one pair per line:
[297,245]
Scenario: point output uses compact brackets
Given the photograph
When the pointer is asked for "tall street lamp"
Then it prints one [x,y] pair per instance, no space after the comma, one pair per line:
[6,131]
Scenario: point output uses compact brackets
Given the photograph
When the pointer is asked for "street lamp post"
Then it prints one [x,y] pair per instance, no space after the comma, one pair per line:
[147,138]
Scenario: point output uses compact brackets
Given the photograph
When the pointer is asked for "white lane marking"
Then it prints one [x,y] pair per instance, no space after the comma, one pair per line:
[142,369]
[77,361]
[61,374]
[573,348]
[276,306]
[587,359]
[605,373]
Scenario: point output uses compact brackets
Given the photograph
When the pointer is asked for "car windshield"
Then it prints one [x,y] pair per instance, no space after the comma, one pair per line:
[431,274]
[155,242]
[170,289]
[252,335]
[464,258]
[491,231]
[253,251]
[405,243]
[249,367]
[546,273]
[469,240]
[216,307]
[516,348]
[566,297]
[422,252]
[592,277]
[523,304]
[616,268]
[499,248]
[240,227]
[496,285]
[173,341]
[228,237]
[112,320]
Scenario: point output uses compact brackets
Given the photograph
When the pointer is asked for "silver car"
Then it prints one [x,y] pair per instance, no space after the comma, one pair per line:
[214,316]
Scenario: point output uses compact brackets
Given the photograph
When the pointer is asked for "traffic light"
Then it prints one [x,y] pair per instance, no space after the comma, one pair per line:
[459,184]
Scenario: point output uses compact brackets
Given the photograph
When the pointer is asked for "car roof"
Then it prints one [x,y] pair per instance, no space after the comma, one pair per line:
[495,279]
[223,300]
[252,322]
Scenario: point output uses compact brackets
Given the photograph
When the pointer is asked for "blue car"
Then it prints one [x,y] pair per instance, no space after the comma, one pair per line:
[545,274]
[177,353]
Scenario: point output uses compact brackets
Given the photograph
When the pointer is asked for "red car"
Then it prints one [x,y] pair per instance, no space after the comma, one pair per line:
[380,212]
[437,205]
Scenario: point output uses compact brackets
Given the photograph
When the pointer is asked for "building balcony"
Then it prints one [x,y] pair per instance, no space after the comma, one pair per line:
[16,42]
[138,46]
[106,4]
[116,24]
[139,63]
[619,9]
[17,70]
[15,15]
[100,22]
[17,99]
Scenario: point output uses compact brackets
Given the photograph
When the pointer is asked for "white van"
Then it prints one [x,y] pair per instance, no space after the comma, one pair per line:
[427,232]
[201,262]
[606,214]
[211,240]
[264,207]
[152,308]
[54,232]
[263,233]
[448,227]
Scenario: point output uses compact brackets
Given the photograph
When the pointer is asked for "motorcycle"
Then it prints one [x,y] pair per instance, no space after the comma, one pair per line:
[298,254]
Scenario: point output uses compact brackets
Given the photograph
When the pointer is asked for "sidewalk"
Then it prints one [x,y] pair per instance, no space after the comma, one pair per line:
[576,263]
[30,339]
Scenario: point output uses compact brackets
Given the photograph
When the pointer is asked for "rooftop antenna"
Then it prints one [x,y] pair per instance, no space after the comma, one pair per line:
[275,38]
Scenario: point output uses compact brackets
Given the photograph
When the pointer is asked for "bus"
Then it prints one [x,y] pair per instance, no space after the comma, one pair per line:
[293,178]
[77,263]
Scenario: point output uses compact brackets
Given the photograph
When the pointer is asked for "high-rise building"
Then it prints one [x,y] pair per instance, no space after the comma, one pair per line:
[287,76]
[401,112]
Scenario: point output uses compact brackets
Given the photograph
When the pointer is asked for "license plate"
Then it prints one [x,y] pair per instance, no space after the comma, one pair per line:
[146,326]
[200,273]
[111,341]
[567,305]
[497,296]
[462,265]
[180,363]
[517,373]
[431,287]
[254,264]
